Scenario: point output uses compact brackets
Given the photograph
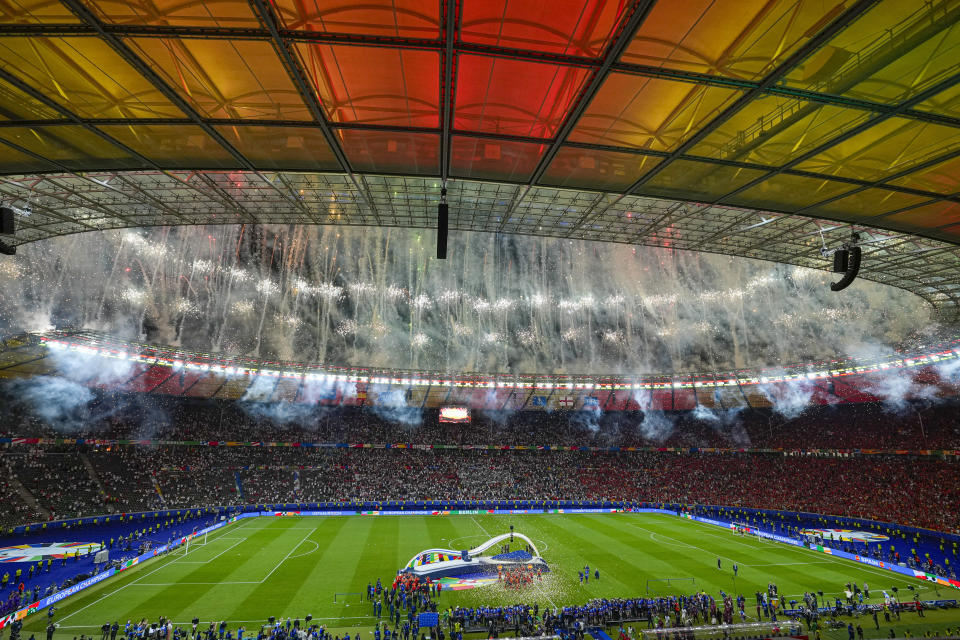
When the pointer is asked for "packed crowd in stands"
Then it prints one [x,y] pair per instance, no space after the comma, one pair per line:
[52,481]
[921,491]
[853,426]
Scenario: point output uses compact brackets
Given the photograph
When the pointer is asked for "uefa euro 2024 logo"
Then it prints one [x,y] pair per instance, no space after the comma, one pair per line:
[42,551]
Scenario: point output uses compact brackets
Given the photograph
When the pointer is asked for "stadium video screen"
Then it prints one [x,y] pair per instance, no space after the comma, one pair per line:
[454,414]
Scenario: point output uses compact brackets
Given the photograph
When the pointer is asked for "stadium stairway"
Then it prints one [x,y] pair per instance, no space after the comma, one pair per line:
[93,474]
[598,634]
[26,496]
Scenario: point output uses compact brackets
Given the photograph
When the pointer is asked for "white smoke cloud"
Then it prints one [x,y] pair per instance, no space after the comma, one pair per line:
[61,403]
[790,398]
[392,406]
[656,426]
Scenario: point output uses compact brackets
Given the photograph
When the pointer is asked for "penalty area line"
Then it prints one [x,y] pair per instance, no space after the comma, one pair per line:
[290,553]
[681,542]
[828,558]
[174,560]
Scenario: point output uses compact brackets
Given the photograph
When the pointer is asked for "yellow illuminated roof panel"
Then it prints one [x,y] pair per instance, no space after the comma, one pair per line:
[649,113]
[737,38]
[239,80]
[175,13]
[406,18]
[34,11]
[557,117]
[86,75]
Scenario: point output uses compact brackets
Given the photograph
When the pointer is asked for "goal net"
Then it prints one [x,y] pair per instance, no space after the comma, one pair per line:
[348,597]
[195,541]
[670,585]
[740,528]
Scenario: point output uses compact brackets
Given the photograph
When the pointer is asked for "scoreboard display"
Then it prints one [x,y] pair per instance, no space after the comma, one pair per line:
[455,414]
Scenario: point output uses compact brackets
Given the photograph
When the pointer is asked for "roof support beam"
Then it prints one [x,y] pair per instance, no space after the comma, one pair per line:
[627,29]
[79,9]
[448,63]
[919,98]
[809,47]
[300,80]
[427,44]
[813,44]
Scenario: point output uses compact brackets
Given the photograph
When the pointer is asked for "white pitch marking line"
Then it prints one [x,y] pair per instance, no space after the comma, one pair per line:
[790,564]
[316,547]
[681,542]
[96,626]
[221,553]
[474,518]
[119,589]
[836,559]
[288,555]
[173,584]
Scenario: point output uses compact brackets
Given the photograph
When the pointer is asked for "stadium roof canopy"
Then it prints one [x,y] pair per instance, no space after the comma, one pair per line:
[746,127]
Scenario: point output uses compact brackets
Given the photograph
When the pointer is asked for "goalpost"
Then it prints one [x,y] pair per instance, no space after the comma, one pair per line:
[740,528]
[689,583]
[190,541]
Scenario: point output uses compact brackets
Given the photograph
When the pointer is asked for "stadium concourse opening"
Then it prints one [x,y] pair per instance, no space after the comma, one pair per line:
[453,319]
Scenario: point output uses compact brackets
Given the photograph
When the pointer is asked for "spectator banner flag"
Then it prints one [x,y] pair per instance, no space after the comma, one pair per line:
[565,402]
[845,535]
[538,401]
[930,577]
[591,402]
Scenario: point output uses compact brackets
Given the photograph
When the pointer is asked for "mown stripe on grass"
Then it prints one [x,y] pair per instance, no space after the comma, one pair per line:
[105,601]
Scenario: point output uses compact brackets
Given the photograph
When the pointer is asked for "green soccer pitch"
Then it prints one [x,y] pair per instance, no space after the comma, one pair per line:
[295,566]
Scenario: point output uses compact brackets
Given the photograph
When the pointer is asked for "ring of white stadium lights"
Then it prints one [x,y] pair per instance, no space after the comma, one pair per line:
[190,361]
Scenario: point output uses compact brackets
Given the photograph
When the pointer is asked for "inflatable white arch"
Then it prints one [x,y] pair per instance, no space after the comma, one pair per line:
[448,559]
